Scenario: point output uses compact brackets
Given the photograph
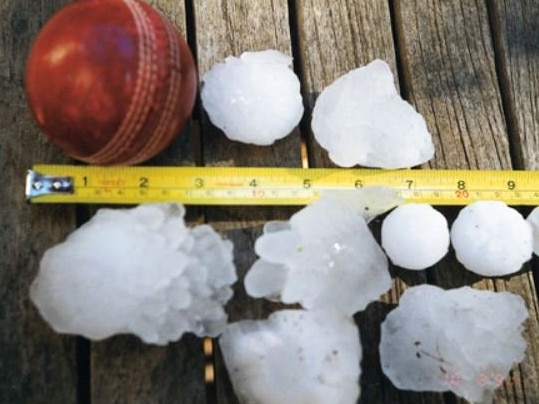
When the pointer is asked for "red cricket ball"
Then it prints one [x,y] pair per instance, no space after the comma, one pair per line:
[110,81]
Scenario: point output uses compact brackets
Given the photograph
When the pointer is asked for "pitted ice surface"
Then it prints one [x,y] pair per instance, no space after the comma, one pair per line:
[254,98]
[415,236]
[361,119]
[139,271]
[491,238]
[294,357]
[326,257]
[463,340]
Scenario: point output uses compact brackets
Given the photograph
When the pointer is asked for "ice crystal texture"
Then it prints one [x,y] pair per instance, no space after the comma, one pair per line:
[139,271]
[294,357]
[361,119]
[491,239]
[325,256]
[415,236]
[463,340]
[533,220]
[254,98]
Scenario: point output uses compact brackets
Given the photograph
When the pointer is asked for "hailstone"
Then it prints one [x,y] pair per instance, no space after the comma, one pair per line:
[294,357]
[415,236]
[361,119]
[491,238]
[463,340]
[533,220]
[325,256]
[139,271]
[255,98]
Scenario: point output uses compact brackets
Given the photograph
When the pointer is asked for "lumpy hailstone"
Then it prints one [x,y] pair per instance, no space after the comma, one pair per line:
[254,98]
[139,271]
[325,256]
[415,236]
[294,357]
[491,239]
[463,340]
[361,119]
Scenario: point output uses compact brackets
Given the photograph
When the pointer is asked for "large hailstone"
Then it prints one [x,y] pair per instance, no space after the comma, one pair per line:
[294,357]
[533,220]
[463,340]
[139,271]
[325,256]
[491,239]
[254,98]
[361,119]
[415,236]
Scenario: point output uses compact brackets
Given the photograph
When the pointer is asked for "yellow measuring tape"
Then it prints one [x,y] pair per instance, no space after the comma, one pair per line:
[269,186]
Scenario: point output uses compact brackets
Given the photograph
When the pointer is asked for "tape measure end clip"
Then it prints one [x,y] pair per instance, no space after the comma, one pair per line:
[38,185]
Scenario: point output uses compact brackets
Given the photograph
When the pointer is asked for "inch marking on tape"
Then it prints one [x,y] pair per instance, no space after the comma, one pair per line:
[269,185]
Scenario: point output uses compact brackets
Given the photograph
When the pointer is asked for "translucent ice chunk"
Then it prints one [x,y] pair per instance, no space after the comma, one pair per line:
[361,119]
[139,271]
[415,236]
[533,220]
[294,357]
[326,258]
[254,98]
[491,239]
[463,340]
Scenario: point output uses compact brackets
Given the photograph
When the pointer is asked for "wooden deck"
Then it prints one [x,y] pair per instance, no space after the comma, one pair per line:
[470,67]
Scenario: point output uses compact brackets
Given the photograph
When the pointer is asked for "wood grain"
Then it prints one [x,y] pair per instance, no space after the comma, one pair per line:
[36,365]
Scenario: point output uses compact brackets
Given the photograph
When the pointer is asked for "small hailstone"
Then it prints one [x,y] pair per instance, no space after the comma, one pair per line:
[325,257]
[533,220]
[139,271]
[254,98]
[415,236]
[294,357]
[361,119]
[463,340]
[491,239]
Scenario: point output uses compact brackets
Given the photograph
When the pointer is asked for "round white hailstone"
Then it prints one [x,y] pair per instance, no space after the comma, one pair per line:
[139,271]
[327,257]
[361,119]
[463,340]
[254,98]
[294,357]
[491,239]
[533,220]
[415,236]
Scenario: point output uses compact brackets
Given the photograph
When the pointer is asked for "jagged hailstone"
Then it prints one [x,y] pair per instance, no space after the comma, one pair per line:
[294,357]
[533,220]
[463,340]
[139,271]
[325,256]
[415,236]
[255,98]
[361,119]
[491,238]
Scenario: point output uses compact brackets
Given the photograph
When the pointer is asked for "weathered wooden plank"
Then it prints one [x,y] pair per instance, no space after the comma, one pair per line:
[123,368]
[36,365]
[225,28]
[450,76]
[335,38]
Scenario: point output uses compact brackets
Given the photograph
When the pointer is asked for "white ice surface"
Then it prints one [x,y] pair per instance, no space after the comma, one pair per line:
[361,119]
[463,340]
[491,238]
[533,220]
[415,236]
[139,271]
[254,98]
[294,357]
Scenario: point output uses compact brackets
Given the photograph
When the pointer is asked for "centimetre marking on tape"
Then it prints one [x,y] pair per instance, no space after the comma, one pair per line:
[268,185]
